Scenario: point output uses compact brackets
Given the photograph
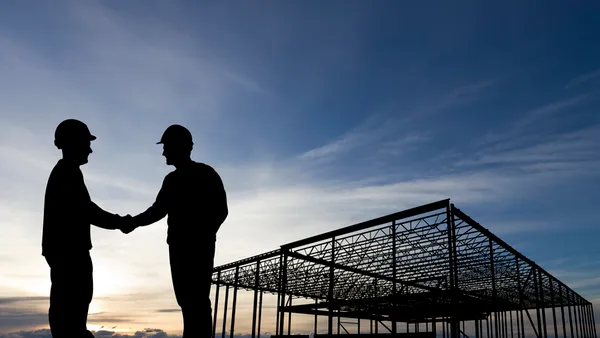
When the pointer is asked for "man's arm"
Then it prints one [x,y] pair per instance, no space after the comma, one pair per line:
[104,219]
[157,211]
[220,211]
[96,215]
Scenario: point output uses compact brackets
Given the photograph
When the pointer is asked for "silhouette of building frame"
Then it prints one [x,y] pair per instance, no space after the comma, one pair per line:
[430,267]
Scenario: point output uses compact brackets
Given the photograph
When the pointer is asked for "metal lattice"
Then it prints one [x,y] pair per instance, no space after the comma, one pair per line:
[420,264]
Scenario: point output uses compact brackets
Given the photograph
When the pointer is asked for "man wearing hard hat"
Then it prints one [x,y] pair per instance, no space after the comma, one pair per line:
[195,201]
[66,240]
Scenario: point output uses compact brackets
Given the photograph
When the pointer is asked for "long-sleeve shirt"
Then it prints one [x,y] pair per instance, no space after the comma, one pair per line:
[69,212]
[194,198]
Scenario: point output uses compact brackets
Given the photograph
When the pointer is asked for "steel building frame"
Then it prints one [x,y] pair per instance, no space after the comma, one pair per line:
[431,265]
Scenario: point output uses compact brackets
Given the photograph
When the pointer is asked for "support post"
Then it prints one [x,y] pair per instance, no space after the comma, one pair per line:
[543,300]
[562,310]
[584,324]
[594,322]
[494,292]
[504,325]
[586,316]
[234,303]
[553,307]
[330,293]
[282,291]
[316,316]
[443,328]
[454,325]
[255,302]
[581,329]
[260,302]
[214,326]
[537,303]
[512,334]
[520,286]
[394,274]
[518,323]
[225,312]
[290,316]
[570,316]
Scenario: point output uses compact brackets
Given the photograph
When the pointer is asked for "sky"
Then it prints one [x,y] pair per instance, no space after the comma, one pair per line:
[316,115]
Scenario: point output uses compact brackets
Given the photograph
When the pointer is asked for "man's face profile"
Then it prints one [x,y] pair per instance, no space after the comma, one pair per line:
[78,151]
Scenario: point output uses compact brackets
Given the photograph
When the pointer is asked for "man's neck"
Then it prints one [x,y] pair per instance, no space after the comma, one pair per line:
[70,161]
[184,164]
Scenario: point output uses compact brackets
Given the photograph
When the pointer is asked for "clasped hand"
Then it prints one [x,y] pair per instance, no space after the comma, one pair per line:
[126,224]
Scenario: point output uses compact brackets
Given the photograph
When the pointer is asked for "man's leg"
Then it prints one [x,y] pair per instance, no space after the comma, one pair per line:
[191,277]
[85,291]
[78,293]
[56,311]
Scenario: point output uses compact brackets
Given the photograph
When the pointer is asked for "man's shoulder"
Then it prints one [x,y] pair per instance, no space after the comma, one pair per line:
[206,170]
[62,171]
[170,176]
[203,166]
[198,171]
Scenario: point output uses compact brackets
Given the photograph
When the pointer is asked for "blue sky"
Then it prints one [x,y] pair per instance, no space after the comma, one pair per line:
[316,114]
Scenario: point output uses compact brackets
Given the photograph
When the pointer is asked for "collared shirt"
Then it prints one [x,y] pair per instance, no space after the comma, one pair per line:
[194,198]
[69,212]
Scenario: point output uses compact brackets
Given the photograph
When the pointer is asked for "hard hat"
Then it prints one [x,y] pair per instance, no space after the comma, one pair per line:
[72,131]
[176,134]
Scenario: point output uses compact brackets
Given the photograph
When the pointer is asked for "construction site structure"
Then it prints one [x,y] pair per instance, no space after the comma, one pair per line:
[428,271]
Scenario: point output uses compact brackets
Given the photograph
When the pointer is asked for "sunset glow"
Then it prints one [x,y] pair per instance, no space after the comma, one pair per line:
[317,115]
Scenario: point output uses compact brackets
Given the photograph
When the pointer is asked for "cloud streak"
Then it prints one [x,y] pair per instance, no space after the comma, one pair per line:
[593,75]
[391,125]
[130,79]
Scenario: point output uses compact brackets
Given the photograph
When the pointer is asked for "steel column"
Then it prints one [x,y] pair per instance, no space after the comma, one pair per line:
[234,303]
[214,326]
[394,274]
[225,312]
[255,302]
[260,302]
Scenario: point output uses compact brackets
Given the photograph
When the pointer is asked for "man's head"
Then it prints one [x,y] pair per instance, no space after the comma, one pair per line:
[177,144]
[73,137]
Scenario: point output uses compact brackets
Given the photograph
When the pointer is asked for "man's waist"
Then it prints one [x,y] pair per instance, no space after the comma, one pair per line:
[64,249]
[174,237]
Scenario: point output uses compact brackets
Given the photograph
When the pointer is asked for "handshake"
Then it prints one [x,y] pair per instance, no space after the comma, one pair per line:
[126,223]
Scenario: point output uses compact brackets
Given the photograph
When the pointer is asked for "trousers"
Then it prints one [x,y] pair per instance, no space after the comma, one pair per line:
[191,273]
[71,292]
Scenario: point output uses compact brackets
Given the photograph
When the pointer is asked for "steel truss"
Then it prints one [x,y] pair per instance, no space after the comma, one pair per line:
[431,265]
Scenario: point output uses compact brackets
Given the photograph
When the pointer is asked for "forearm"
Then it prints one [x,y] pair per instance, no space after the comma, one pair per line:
[103,219]
[152,215]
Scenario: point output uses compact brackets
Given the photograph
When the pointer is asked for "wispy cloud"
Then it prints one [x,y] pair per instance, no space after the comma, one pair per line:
[168,310]
[578,147]
[532,124]
[129,79]
[581,277]
[104,332]
[8,300]
[583,79]
[538,142]
[390,128]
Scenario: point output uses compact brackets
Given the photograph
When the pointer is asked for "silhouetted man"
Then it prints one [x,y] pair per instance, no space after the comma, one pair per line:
[66,240]
[195,201]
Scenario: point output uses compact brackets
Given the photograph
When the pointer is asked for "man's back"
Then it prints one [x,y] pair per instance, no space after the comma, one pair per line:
[65,224]
[197,203]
